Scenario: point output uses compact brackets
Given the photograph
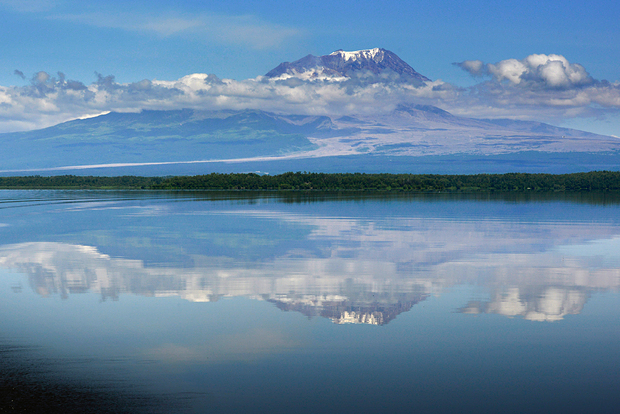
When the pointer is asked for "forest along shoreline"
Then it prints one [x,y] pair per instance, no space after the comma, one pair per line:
[595,181]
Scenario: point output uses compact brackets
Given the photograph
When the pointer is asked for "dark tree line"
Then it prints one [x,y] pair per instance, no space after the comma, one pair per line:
[592,181]
[80,182]
[519,182]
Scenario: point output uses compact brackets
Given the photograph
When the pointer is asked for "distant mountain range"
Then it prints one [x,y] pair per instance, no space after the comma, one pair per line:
[411,138]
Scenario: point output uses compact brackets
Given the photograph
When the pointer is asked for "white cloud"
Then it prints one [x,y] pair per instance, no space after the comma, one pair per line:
[240,30]
[535,71]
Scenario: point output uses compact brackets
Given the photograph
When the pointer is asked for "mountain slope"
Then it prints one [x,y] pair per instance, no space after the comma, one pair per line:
[161,136]
[189,135]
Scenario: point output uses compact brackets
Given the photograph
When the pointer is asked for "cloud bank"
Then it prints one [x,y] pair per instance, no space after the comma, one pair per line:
[539,87]
[48,99]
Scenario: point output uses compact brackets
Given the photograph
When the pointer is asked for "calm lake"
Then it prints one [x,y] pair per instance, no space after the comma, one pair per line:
[125,301]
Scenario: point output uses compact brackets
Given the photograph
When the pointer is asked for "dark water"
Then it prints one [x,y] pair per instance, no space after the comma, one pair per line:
[237,302]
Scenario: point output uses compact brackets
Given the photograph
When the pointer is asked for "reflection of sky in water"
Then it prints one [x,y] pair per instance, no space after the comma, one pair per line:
[606,251]
[121,277]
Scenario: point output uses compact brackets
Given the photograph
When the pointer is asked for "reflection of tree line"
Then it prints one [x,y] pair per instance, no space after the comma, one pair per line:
[319,286]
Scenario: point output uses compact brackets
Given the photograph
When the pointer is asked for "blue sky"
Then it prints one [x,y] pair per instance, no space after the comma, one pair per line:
[167,40]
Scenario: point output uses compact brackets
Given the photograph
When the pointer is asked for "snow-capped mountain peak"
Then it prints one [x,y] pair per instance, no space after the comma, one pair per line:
[341,65]
[374,54]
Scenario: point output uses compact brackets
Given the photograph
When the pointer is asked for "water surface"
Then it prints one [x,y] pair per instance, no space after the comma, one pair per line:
[247,302]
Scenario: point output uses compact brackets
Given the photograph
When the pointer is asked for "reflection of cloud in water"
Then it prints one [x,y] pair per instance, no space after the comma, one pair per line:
[429,241]
[247,346]
[364,271]
[604,251]
[543,304]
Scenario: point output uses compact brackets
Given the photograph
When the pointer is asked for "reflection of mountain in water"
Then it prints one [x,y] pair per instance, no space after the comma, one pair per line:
[537,286]
[300,285]
[374,309]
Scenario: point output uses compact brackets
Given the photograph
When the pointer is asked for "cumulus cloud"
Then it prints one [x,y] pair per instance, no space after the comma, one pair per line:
[542,71]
